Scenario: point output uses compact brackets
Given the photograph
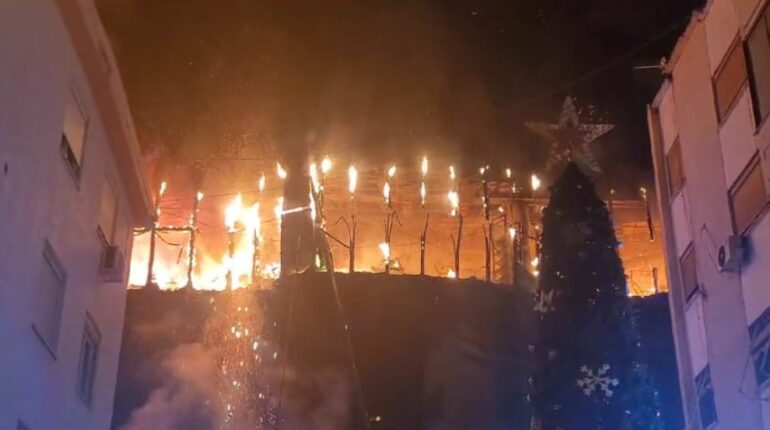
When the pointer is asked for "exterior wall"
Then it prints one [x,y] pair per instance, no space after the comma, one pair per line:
[40,200]
[716,326]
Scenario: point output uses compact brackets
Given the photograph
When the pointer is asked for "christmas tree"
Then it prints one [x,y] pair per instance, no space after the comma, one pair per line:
[585,375]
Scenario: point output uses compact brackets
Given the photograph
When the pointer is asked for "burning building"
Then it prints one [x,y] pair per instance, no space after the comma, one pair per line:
[71,191]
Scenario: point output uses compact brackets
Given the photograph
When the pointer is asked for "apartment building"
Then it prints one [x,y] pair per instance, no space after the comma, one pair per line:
[710,138]
[71,189]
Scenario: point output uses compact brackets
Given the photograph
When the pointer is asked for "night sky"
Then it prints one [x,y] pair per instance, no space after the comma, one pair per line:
[390,79]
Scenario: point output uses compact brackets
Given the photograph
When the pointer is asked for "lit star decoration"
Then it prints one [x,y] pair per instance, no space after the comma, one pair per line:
[570,139]
[598,380]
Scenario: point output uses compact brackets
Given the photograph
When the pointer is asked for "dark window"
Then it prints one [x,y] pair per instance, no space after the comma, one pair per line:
[707,409]
[748,197]
[74,133]
[758,45]
[729,79]
[49,298]
[674,167]
[89,354]
[108,210]
[688,272]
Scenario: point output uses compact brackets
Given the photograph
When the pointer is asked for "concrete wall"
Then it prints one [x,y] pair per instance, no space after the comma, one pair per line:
[41,201]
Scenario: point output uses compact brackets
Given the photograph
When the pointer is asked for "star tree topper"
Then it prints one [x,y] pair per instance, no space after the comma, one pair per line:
[570,139]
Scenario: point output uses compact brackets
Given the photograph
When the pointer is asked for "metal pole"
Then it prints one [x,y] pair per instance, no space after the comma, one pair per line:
[193,232]
[153,229]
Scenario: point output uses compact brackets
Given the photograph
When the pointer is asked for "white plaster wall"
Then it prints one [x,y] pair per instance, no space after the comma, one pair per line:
[696,334]
[41,200]
[668,127]
[721,30]
[681,220]
[724,310]
[755,276]
[737,138]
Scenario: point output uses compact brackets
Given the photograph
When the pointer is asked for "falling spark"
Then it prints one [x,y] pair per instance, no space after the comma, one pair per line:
[452,175]
[535,182]
[280,170]
[423,192]
[451,274]
[314,177]
[199,196]
[454,201]
[392,171]
[385,249]
[352,180]
[512,232]
[261,183]
[482,170]
[162,188]
[424,166]
[535,262]
[508,173]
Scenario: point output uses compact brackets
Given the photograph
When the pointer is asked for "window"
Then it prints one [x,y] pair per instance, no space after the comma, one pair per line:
[89,354]
[108,209]
[729,79]
[707,409]
[50,298]
[688,272]
[674,168]
[758,45]
[74,133]
[748,197]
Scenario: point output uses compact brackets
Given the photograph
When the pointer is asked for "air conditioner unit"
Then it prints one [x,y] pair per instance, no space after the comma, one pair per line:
[731,253]
[112,264]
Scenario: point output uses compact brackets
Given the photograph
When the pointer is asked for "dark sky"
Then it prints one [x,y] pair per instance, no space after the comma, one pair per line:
[389,79]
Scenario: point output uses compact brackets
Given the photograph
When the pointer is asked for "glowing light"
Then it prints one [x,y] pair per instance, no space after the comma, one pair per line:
[452,174]
[199,196]
[508,173]
[512,232]
[233,212]
[262,182]
[424,166]
[162,188]
[352,180]
[392,171]
[280,170]
[451,274]
[482,170]
[535,262]
[454,201]
[535,182]
[326,165]
[386,192]
[314,177]
[385,249]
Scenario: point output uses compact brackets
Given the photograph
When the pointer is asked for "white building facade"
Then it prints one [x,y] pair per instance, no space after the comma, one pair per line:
[71,190]
[710,143]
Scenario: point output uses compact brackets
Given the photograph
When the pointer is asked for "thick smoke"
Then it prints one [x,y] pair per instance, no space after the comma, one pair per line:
[187,398]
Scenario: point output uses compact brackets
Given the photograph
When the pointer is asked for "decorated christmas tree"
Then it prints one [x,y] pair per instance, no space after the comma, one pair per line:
[586,376]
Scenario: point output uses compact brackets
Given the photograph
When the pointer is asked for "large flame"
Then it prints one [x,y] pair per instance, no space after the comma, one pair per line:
[352,180]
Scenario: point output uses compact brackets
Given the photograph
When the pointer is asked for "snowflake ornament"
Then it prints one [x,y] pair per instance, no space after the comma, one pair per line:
[544,302]
[598,380]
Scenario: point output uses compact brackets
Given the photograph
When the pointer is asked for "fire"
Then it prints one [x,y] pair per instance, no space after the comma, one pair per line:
[386,192]
[423,193]
[392,171]
[261,183]
[424,166]
[508,173]
[385,250]
[451,274]
[454,201]
[535,182]
[232,212]
[452,174]
[352,180]
[326,165]
[280,170]
[314,180]
[512,233]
